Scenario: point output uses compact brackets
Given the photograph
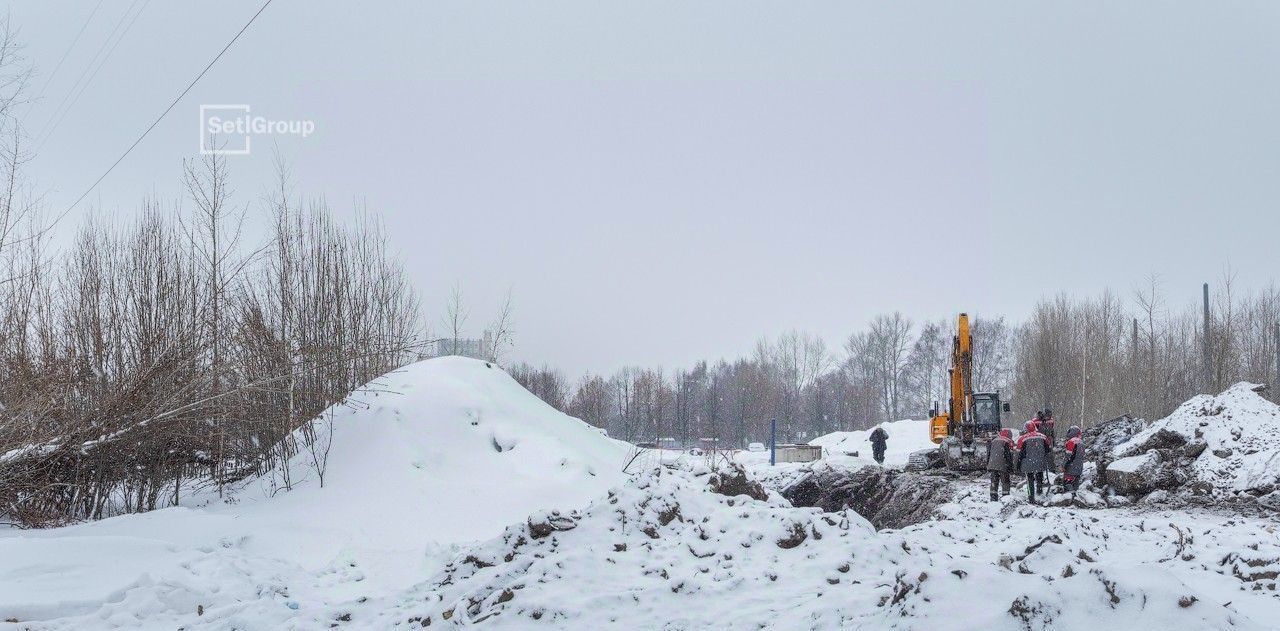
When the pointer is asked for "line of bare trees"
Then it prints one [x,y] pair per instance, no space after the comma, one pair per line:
[161,354]
[1089,359]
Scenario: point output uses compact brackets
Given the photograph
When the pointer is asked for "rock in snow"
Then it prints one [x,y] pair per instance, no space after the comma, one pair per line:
[1101,439]
[1139,475]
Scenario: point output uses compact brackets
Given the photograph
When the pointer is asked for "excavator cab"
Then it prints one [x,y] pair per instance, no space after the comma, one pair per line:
[986,412]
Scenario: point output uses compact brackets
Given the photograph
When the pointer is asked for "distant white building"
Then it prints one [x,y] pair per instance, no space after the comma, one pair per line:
[466,347]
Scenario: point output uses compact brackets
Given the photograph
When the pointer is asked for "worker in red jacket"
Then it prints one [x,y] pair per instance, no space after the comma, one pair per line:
[1037,419]
[1033,459]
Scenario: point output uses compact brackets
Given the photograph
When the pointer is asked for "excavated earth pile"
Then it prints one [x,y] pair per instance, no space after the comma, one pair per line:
[1212,450]
[885,497]
[1101,439]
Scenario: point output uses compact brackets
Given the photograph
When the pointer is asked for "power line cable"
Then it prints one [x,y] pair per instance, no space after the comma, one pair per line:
[166,111]
[94,75]
[92,61]
[49,79]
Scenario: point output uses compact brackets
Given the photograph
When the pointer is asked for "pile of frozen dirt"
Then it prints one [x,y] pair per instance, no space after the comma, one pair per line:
[666,551]
[1100,440]
[905,438]
[1212,448]
[438,453]
[886,497]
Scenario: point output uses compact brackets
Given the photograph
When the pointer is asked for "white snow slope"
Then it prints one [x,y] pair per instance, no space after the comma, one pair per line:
[905,438]
[440,452]
[1241,430]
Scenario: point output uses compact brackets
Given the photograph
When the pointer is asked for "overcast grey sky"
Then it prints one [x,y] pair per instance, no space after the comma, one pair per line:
[664,181]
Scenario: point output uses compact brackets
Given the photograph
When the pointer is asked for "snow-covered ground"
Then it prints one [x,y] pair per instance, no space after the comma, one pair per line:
[665,552]
[441,452]
[454,497]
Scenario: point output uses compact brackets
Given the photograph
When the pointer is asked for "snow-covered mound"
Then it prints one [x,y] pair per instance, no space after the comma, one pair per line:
[667,552]
[905,438]
[448,450]
[440,452]
[1221,444]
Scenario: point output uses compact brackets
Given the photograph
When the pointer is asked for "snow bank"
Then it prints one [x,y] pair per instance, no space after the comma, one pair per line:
[444,451]
[1221,444]
[905,438]
[42,578]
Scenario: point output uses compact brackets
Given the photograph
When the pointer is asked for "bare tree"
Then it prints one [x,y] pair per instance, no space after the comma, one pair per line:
[882,354]
[502,335]
[455,317]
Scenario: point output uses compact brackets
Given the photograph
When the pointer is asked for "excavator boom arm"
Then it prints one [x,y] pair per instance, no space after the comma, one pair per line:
[961,375]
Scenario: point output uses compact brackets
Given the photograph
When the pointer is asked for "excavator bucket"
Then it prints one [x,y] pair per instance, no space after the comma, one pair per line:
[959,456]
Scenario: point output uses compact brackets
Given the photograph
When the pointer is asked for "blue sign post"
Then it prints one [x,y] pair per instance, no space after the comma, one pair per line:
[773,442]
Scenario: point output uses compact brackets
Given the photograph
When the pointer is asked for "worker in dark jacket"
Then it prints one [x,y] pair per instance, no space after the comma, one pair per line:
[1000,462]
[1073,466]
[1037,419]
[879,440]
[1033,459]
[1047,427]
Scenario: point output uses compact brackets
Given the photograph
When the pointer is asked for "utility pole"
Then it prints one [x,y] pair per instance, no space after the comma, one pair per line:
[773,442]
[1277,340]
[1208,366]
[1134,381]
[1134,345]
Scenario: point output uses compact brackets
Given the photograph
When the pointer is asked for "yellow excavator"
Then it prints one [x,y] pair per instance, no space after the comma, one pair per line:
[971,420]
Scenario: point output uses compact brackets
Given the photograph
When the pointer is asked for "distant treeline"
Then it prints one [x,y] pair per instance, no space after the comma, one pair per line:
[1089,359]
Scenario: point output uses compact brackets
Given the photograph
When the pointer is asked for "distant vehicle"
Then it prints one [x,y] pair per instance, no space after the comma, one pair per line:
[755,447]
[697,451]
